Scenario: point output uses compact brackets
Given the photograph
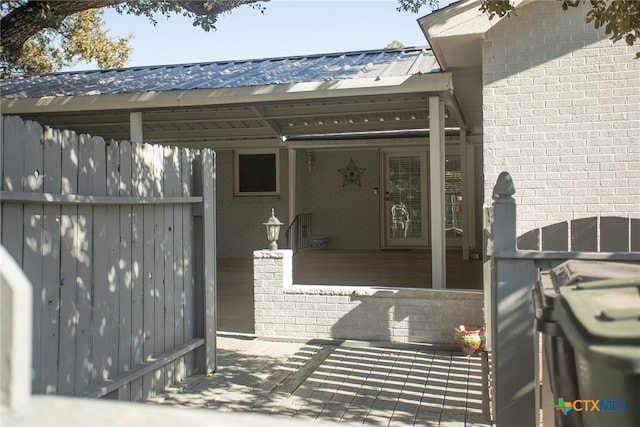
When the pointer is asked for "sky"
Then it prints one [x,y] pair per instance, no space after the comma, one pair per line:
[286,28]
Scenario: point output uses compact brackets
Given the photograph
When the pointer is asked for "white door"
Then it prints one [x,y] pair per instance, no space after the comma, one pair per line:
[405,212]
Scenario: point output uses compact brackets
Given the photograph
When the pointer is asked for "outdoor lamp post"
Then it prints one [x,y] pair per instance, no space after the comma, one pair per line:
[273,231]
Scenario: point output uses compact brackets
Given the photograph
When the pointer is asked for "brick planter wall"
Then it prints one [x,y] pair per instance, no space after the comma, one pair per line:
[283,309]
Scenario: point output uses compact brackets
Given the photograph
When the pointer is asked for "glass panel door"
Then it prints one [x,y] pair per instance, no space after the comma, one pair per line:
[406,219]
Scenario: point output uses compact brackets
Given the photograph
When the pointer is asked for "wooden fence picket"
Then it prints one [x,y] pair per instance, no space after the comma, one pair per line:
[188,256]
[13,171]
[168,185]
[137,265]
[84,297]
[178,262]
[32,156]
[594,234]
[69,279]
[147,190]
[124,267]
[51,263]
[158,277]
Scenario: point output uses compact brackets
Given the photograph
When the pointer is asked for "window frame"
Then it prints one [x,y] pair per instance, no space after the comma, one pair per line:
[237,172]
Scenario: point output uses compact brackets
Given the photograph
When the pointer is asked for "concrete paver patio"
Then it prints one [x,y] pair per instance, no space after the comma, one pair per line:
[354,383]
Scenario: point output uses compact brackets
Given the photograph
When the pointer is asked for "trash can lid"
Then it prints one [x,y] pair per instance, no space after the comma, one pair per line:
[574,271]
[606,311]
[546,289]
[601,321]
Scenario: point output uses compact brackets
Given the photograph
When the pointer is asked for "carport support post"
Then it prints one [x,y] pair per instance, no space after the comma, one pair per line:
[292,195]
[436,168]
[204,224]
[135,127]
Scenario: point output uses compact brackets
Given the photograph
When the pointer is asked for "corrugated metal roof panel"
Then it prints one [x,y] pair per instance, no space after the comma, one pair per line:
[226,74]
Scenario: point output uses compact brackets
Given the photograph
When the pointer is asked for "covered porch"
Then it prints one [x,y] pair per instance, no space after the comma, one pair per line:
[397,105]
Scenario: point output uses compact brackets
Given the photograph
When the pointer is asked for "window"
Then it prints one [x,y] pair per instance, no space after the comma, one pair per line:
[256,172]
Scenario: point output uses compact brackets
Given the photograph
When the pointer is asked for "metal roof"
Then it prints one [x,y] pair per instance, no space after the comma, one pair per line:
[227,74]
[250,103]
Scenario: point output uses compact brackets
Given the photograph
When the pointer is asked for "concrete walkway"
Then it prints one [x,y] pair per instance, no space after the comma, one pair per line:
[351,383]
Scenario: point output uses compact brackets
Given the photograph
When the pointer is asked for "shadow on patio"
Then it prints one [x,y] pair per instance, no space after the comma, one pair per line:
[351,383]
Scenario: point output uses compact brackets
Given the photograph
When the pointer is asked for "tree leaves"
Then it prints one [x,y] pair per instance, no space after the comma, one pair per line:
[495,8]
[41,36]
[414,6]
[87,40]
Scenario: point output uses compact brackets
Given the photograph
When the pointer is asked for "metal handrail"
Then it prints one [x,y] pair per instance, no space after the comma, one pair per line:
[300,227]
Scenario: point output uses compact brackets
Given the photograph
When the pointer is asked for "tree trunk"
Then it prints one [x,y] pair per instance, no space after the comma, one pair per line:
[26,21]
[34,16]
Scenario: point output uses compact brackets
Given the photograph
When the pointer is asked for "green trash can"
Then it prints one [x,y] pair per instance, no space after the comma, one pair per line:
[558,355]
[601,321]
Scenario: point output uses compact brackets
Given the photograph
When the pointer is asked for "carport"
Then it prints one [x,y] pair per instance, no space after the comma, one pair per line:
[344,100]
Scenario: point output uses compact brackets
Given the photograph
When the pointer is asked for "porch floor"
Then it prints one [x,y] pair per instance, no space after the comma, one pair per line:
[341,382]
[396,268]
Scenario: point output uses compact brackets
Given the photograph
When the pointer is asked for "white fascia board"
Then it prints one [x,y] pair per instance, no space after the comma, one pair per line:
[419,83]
[460,18]
[463,18]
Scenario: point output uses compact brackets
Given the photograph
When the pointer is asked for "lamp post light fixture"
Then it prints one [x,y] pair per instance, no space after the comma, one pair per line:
[273,231]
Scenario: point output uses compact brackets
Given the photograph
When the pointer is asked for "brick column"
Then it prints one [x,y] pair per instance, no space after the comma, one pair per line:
[272,272]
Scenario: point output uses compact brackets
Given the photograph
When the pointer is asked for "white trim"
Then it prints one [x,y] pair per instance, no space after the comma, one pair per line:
[236,171]
[394,85]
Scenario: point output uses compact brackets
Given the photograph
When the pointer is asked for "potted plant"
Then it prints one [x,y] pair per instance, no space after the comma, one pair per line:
[470,339]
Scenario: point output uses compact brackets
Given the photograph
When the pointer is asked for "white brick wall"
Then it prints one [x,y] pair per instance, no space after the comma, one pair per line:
[562,115]
[239,228]
[403,315]
[349,215]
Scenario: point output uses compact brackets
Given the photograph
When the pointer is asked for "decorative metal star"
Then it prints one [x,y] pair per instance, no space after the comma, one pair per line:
[351,174]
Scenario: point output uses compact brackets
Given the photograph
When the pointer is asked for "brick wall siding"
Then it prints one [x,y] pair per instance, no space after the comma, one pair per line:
[239,228]
[349,215]
[562,115]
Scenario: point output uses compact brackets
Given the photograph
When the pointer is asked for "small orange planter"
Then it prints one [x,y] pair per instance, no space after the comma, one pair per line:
[469,339]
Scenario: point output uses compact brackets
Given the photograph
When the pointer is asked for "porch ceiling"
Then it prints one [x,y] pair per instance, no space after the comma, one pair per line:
[254,123]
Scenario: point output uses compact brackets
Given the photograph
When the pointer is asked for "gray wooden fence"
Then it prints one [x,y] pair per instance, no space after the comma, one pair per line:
[117,240]
[510,271]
